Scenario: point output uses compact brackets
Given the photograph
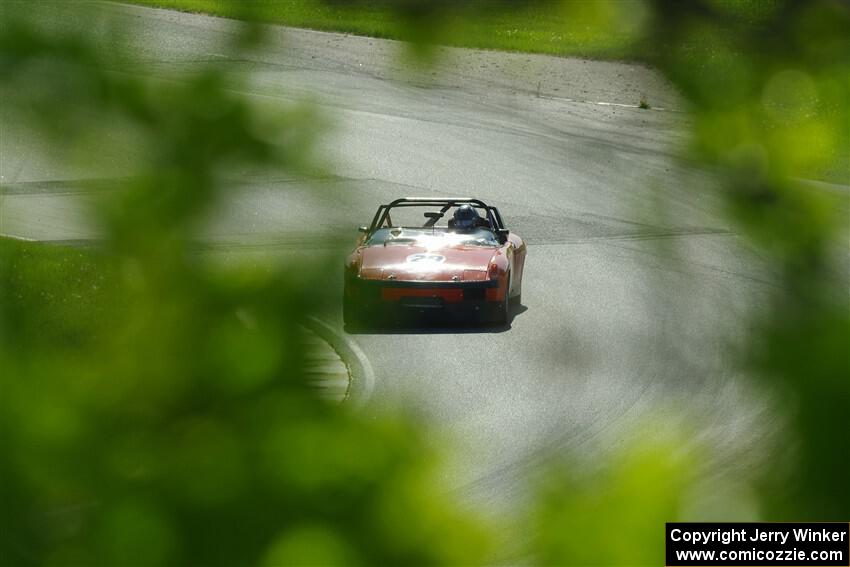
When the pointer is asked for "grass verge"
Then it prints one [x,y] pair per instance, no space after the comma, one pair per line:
[51,295]
[607,29]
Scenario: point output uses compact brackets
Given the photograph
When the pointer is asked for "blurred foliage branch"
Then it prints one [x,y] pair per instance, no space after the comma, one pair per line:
[772,107]
[139,431]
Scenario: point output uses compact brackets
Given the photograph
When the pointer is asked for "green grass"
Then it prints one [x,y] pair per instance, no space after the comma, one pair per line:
[52,295]
[548,28]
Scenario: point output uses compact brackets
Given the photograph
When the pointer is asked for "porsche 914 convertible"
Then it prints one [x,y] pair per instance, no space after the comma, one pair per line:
[409,260]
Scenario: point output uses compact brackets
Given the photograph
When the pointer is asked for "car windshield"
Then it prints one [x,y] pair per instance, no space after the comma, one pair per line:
[439,237]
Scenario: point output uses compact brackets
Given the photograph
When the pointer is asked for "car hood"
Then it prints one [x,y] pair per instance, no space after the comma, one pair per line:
[412,262]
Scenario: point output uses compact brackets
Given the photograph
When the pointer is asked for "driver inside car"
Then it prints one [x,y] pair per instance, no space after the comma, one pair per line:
[465,218]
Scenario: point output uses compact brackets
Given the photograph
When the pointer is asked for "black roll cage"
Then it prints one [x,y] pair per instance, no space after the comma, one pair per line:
[491,213]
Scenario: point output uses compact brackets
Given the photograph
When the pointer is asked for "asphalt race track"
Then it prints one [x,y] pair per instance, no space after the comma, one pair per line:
[635,288]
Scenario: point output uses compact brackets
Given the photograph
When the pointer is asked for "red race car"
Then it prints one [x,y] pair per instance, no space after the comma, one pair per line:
[469,264]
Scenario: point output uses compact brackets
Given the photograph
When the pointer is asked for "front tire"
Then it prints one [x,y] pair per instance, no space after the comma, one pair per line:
[503,310]
[352,315]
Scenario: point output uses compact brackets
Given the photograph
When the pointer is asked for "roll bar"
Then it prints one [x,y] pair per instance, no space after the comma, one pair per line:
[491,213]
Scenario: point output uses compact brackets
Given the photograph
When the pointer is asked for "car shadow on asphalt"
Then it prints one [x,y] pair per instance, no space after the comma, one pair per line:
[433,325]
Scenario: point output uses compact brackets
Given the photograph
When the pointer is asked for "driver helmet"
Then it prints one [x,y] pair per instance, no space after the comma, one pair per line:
[465,216]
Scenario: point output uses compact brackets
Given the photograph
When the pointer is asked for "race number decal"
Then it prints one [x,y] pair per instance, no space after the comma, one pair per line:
[426,259]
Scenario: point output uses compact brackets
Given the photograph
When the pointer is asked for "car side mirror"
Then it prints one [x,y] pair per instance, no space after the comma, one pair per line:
[503,233]
[363,229]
